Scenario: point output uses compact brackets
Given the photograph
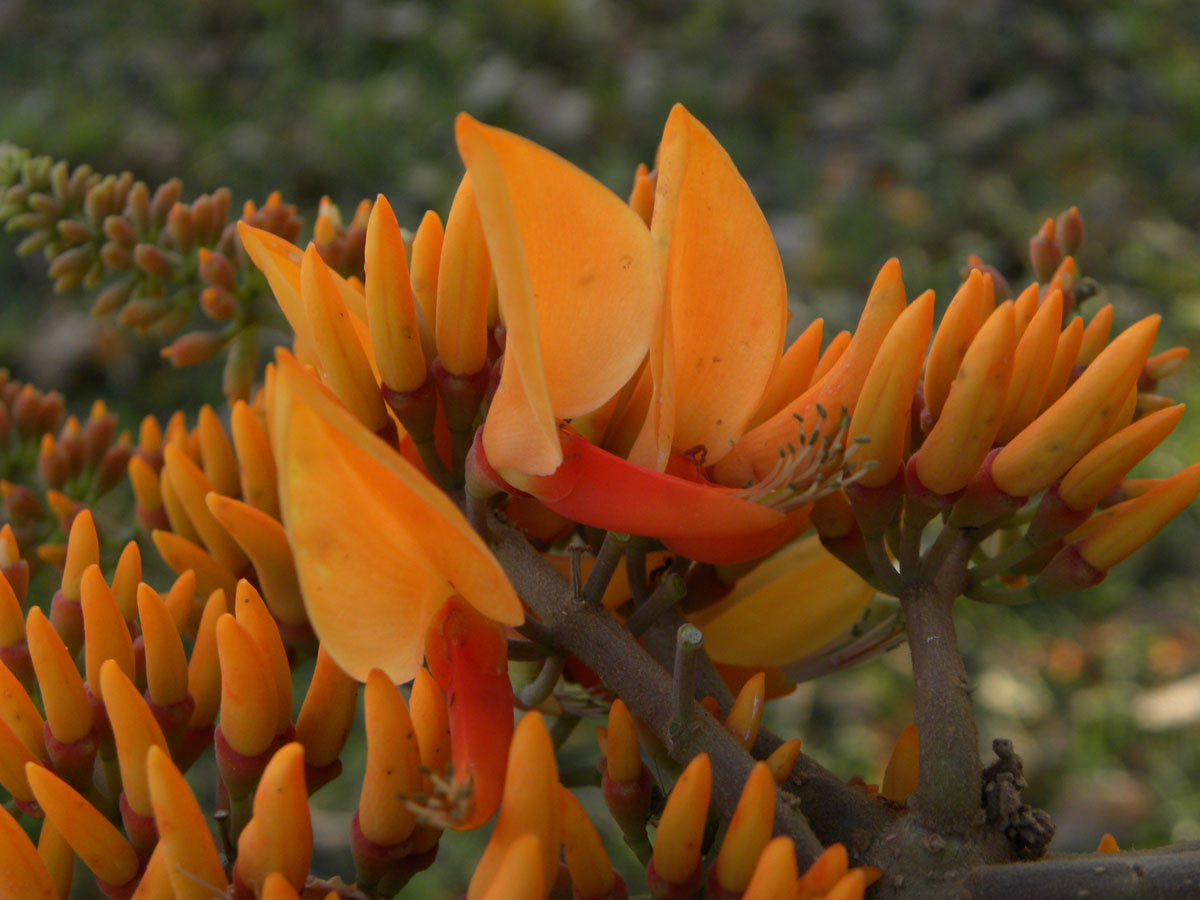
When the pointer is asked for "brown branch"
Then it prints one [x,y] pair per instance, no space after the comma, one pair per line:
[589,632]
[1166,874]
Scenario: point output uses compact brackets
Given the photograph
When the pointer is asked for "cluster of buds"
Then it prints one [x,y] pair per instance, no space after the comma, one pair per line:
[52,465]
[152,258]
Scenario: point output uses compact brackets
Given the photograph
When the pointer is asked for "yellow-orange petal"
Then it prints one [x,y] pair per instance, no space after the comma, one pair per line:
[166,662]
[851,886]
[393,765]
[182,603]
[1062,434]
[14,756]
[278,837]
[192,863]
[426,258]
[391,313]
[829,358]
[775,875]
[519,875]
[1095,335]
[1025,307]
[135,731]
[327,714]
[956,332]
[746,713]
[83,550]
[279,261]
[748,832]
[431,720]
[464,280]
[1108,844]
[793,374]
[276,887]
[106,636]
[264,540]
[126,580]
[68,710]
[757,624]
[18,712]
[681,827]
[884,409]
[145,485]
[22,872]
[344,363]
[783,760]
[824,874]
[191,486]
[1092,478]
[181,554]
[220,464]
[956,446]
[58,858]
[723,280]
[12,618]
[177,516]
[1064,362]
[530,805]
[1116,532]
[1160,365]
[256,461]
[97,842]
[758,450]
[252,614]
[204,667]
[900,778]
[641,197]
[1032,363]
[578,289]
[347,496]
[592,874]
[624,756]
[249,705]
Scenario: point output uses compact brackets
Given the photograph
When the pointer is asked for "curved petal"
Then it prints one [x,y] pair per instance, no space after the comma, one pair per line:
[723,279]
[576,276]
[367,529]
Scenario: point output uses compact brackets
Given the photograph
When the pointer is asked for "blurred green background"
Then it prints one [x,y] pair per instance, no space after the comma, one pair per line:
[920,129]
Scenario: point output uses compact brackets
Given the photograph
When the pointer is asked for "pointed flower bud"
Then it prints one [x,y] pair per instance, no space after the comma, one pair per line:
[264,540]
[279,836]
[13,649]
[883,413]
[180,555]
[746,713]
[126,580]
[851,886]
[900,778]
[97,842]
[676,859]
[463,284]
[963,435]
[1095,336]
[14,756]
[256,462]
[68,710]
[191,486]
[426,258]
[793,374]
[22,872]
[624,756]
[220,464]
[83,550]
[1032,363]
[277,887]
[249,701]
[391,313]
[106,636]
[641,198]
[531,805]
[135,731]
[962,320]
[1061,435]
[591,870]
[1061,369]
[192,862]
[519,875]
[327,713]
[748,832]
[775,874]
[393,765]
[1108,844]
[58,858]
[253,615]
[431,721]
[166,662]
[148,494]
[204,669]
[783,760]
[824,874]
[18,712]
[1100,471]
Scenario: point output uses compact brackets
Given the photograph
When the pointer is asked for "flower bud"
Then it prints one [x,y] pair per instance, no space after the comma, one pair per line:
[463,286]
[393,765]
[775,874]
[1044,252]
[1095,336]
[22,872]
[900,778]
[1108,844]
[391,313]
[591,870]
[135,731]
[191,486]
[426,258]
[192,862]
[676,859]
[256,461]
[962,320]
[1069,230]
[106,635]
[748,833]
[746,713]
[327,715]
[58,857]
[1032,365]
[783,760]
[249,700]
[279,836]
[824,874]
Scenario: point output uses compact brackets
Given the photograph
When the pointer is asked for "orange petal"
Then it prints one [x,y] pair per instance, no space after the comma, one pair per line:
[723,279]
[58,857]
[83,550]
[1095,336]
[106,636]
[135,731]
[327,714]
[748,832]
[401,546]
[391,313]
[426,257]
[758,451]
[393,772]
[746,713]
[1061,435]
[249,705]
[278,837]
[193,865]
[191,485]
[252,613]
[624,756]
[19,714]
[68,710]
[957,444]
[591,870]
[126,580]
[900,778]
[681,827]
[793,374]
[431,720]
[220,464]
[837,346]
[884,408]
[256,461]
[1032,365]
[22,872]
[468,657]
[960,323]
[279,261]
[166,662]
[519,875]
[578,289]
[204,669]
[823,874]
[775,875]
[1064,362]
[463,282]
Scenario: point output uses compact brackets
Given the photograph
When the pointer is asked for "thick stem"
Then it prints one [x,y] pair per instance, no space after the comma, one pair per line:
[689,643]
[1152,875]
[948,792]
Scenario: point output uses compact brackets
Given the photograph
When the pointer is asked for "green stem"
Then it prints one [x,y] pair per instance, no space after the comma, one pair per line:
[689,641]
[669,592]
[610,554]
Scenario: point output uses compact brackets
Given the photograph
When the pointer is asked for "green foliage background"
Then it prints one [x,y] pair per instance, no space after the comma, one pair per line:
[867,129]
